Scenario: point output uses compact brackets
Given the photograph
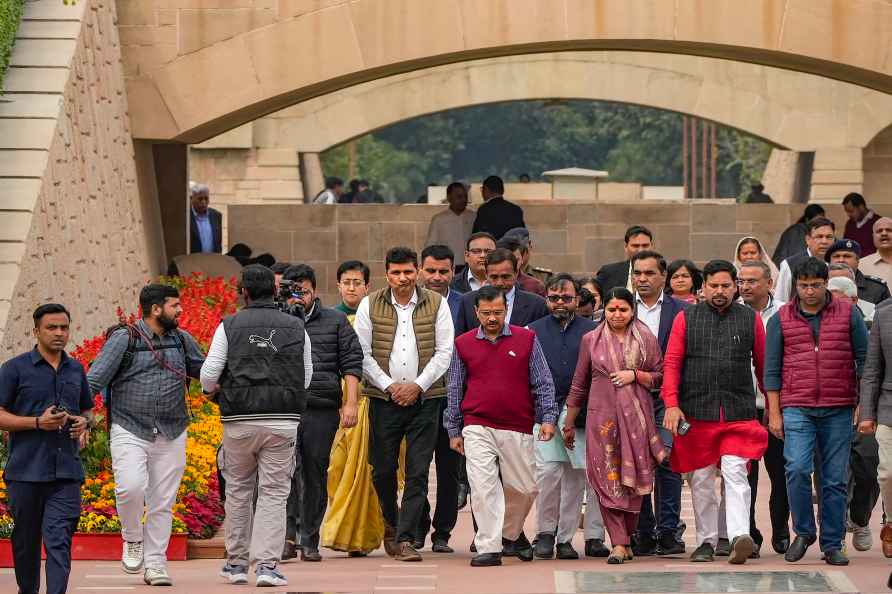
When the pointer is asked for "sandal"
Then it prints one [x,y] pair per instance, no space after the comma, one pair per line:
[617,556]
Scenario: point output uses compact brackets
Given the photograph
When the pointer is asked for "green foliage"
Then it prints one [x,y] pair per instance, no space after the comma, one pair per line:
[632,142]
[10,15]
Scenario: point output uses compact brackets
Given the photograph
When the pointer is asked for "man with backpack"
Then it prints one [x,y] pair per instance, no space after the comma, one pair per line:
[145,368]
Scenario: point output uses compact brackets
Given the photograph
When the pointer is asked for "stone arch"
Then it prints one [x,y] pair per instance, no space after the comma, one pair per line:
[318,47]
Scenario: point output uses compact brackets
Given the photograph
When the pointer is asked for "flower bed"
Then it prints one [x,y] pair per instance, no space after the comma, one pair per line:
[198,511]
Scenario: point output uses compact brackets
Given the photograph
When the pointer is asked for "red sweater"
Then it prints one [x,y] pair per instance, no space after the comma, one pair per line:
[497,392]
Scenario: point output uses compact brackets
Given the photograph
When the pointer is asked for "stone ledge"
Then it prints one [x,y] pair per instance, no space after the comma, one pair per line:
[26,105]
[54,10]
[19,194]
[43,52]
[35,80]
[48,30]
[23,164]
[14,226]
[26,133]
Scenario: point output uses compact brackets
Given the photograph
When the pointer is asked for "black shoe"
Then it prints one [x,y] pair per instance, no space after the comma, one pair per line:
[741,549]
[704,553]
[544,548]
[668,545]
[835,557]
[594,547]
[357,554]
[723,548]
[486,560]
[889,582]
[311,555]
[462,495]
[290,551]
[679,532]
[565,550]
[522,548]
[756,554]
[796,550]
[440,545]
[780,545]
[508,548]
[644,546]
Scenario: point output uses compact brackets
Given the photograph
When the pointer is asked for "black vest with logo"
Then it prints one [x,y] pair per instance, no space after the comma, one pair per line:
[264,373]
[717,367]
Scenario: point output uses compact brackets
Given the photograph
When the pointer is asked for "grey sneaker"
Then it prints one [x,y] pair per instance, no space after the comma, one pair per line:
[131,557]
[236,574]
[156,576]
[862,538]
[270,576]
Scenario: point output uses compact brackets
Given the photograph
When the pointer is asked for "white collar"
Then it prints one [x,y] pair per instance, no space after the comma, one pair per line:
[640,301]
[412,300]
[870,214]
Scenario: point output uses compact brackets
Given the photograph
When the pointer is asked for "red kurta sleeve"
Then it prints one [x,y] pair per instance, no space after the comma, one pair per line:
[673,362]
[759,351]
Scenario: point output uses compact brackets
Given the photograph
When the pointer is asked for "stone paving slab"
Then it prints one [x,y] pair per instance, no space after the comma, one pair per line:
[24,105]
[35,80]
[48,30]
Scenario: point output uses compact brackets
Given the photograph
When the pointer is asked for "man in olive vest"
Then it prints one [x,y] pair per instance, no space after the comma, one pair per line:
[407,337]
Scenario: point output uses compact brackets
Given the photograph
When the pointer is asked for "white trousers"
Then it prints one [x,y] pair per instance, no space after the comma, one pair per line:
[500,506]
[147,476]
[559,504]
[706,500]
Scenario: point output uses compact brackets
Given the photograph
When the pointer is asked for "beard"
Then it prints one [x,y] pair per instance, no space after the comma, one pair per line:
[561,314]
[168,323]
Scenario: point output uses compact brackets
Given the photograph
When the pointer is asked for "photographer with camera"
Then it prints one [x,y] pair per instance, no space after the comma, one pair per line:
[337,355]
[46,406]
[261,358]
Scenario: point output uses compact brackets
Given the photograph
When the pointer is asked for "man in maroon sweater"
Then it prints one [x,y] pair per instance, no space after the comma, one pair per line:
[498,385]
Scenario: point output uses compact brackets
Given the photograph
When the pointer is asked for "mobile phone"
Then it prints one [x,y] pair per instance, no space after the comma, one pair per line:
[683,427]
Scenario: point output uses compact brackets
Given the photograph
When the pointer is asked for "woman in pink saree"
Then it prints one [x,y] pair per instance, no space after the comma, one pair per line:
[619,363]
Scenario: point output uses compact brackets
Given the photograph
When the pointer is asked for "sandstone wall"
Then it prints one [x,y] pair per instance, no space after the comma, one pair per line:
[86,245]
[576,238]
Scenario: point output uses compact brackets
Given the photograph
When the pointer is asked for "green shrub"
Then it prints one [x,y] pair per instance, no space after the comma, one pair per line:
[10,15]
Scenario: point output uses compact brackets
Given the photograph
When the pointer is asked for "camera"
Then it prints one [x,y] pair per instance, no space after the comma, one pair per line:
[288,290]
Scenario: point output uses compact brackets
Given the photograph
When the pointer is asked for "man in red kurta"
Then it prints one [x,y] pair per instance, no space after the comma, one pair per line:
[708,382]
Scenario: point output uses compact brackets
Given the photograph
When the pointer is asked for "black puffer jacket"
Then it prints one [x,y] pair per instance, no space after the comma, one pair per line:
[336,353]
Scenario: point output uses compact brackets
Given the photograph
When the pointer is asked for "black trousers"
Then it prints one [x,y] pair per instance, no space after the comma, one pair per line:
[448,462]
[309,485]
[864,490]
[46,512]
[778,503]
[390,423]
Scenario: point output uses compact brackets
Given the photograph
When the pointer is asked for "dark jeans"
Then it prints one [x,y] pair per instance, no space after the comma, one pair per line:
[827,431]
[47,511]
[448,462]
[309,485]
[864,490]
[389,423]
[667,489]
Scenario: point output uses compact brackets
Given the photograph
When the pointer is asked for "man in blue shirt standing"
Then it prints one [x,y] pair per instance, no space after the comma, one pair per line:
[206,223]
[46,406]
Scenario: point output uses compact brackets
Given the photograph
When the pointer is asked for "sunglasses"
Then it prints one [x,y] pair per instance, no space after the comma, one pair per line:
[561,298]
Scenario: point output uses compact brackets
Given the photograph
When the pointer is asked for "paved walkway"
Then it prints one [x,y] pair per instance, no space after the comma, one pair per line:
[379,574]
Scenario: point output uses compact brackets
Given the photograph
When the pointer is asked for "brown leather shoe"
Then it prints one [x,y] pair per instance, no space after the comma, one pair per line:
[390,545]
[886,537]
[407,553]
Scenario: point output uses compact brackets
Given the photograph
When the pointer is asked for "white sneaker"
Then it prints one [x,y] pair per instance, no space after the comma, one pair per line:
[236,574]
[270,576]
[131,557]
[862,538]
[155,576]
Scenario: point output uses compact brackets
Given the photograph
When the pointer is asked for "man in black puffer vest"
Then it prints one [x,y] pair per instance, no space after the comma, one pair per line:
[337,355]
[261,358]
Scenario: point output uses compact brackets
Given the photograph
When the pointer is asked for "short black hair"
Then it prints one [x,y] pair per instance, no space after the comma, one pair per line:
[559,280]
[280,267]
[494,184]
[499,255]
[47,309]
[619,293]
[354,265]
[258,282]
[637,230]
[811,211]
[855,199]
[817,223]
[301,272]
[453,187]
[811,268]
[332,182]
[264,259]
[512,244]
[479,235]
[591,280]
[489,293]
[400,255]
[586,297]
[650,255]
[696,275]
[155,294]
[438,252]
[716,266]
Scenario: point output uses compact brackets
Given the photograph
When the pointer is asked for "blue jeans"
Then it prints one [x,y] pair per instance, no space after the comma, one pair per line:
[667,489]
[827,431]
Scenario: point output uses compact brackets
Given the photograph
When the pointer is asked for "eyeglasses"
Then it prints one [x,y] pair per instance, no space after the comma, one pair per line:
[352,283]
[561,298]
[746,282]
[810,286]
[480,251]
[498,313]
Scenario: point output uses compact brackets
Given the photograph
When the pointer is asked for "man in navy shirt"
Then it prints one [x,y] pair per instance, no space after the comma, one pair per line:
[45,405]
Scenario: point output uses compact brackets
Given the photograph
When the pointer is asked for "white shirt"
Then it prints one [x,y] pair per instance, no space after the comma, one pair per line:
[473,282]
[649,315]
[448,228]
[772,308]
[403,363]
[509,299]
[784,285]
